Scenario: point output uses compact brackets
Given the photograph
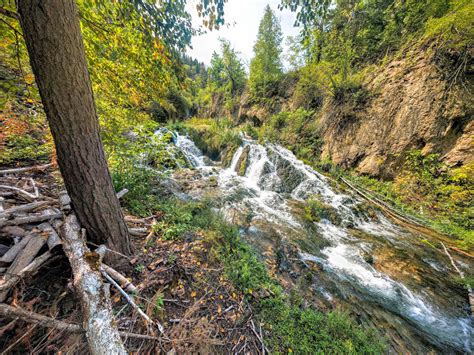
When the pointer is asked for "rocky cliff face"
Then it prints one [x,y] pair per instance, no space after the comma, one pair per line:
[412,105]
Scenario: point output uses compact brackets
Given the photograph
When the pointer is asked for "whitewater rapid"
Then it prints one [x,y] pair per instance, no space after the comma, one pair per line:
[274,177]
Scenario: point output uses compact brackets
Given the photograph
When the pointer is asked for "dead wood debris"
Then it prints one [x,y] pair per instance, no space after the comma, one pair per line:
[172,283]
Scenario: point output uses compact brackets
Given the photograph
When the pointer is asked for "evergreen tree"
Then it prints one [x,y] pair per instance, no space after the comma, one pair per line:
[266,66]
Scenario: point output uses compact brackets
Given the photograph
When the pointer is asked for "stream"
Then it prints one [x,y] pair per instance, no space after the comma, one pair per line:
[356,259]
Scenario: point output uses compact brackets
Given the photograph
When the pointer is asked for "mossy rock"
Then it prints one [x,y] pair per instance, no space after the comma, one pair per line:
[227,156]
[317,210]
[242,163]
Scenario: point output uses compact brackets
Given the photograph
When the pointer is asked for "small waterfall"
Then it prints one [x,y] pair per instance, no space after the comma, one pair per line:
[235,158]
[274,177]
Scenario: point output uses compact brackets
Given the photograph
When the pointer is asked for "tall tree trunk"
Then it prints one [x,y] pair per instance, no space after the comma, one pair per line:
[54,41]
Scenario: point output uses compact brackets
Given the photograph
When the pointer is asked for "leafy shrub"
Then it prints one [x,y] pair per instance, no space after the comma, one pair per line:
[317,210]
[296,130]
[214,137]
[428,189]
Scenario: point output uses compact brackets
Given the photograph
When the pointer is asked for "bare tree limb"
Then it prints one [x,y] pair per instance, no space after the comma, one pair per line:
[23,193]
[122,193]
[124,283]
[131,302]
[461,274]
[8,311]
[28,168]
[27,271]
[10,255]
[31,219]
[23,208]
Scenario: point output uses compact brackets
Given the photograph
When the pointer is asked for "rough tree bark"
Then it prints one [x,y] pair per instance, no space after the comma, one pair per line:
[54,41]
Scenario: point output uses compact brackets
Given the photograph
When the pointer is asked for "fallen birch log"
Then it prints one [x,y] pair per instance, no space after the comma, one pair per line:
[22,170]
[8,311]
[102,335]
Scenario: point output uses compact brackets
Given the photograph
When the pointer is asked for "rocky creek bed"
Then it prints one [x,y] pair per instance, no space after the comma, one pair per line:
[338,252]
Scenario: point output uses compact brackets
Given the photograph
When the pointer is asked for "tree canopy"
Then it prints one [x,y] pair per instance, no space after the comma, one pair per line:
[266,66]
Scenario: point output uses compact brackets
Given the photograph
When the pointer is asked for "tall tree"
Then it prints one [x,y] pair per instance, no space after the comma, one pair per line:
[54,41]
[227,77]
[55,46]
[312,15]
[266,65]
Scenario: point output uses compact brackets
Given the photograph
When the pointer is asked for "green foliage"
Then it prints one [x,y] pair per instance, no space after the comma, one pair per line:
[24,137]
[317,210]
[214,137]
[266,66]
[454,30]
[225,83]
[137,160]
[296,130]
[428,189]
[360,32]
[168,20]
[305,331]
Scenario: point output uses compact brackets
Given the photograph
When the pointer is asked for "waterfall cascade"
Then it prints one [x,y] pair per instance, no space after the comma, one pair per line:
[415,294]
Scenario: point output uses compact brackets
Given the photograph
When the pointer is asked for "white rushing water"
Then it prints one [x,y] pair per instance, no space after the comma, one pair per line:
[273,176]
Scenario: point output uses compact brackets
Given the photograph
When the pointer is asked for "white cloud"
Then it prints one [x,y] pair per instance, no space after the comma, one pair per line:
[243,18]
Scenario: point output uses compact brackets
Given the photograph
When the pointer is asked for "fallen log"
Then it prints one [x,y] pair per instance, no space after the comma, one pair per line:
[461,274]
[22,170]
[31,219]
[98,322]
[23,208]
[10,255]
[23,259]
[22,193]
[29,270]
[8,311]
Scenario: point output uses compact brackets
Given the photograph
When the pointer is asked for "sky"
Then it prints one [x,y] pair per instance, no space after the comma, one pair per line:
[242,18]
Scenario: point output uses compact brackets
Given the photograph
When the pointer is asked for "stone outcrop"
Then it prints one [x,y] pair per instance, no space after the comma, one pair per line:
[412,105]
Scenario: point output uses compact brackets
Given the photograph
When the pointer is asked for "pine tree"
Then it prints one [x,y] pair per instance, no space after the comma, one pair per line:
[266,66]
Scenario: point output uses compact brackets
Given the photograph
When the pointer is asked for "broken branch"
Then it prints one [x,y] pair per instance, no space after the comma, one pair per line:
[28,168]
[8,311]
[124,283]
[19,191]
[461,274]
[131,302]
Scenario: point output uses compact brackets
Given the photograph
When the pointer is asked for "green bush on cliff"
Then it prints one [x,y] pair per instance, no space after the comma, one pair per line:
[296,130]
[427,188]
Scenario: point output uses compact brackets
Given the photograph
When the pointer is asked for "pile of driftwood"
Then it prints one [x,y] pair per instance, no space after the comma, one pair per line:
[36,227]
